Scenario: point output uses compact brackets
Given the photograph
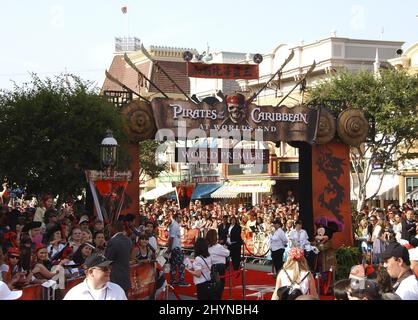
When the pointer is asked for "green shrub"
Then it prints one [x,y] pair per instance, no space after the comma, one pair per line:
[346,258]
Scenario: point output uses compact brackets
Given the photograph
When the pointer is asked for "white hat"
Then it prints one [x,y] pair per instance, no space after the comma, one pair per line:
[413,254]
[84,218]
[7,294]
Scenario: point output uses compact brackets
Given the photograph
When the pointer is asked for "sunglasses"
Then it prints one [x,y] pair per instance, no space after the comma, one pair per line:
[14,257]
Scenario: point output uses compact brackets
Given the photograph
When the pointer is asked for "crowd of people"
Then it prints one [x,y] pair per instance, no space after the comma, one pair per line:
[41,242]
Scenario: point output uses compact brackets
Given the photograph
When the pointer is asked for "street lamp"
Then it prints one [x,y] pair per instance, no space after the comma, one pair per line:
[108,150]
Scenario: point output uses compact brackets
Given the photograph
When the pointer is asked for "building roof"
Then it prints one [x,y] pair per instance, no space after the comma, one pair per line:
[124,73]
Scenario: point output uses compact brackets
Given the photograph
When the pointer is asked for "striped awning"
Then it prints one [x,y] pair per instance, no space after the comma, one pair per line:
[157,192]
[224,192]
[232,189]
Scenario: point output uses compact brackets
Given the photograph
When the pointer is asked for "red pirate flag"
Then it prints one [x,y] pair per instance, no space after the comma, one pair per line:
[124,9]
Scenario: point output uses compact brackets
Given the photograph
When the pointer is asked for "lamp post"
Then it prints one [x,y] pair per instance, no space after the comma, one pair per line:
[108,151]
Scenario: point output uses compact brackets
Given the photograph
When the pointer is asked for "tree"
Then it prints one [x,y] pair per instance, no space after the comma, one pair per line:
[389,101]
[148,166]
[51,130]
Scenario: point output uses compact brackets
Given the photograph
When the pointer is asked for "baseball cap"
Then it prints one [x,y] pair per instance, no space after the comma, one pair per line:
[84,218]
[413,254]
[396,250]
[97,260]
[7,294]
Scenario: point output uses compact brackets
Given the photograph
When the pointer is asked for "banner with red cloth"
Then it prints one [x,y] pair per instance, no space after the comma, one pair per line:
[108,190]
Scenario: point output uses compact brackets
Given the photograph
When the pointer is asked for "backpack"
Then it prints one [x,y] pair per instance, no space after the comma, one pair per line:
[290,292]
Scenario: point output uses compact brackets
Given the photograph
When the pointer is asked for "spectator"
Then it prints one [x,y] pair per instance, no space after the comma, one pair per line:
[397,263]
[413,257]
[341,289]
[149,230]
[218,253]
[299,238]
[33,228]
[376,233]
[384,282]
[234,242]
[142,252]
[278,243]
[4,268]
[363,289]
[47,203]
[42,267]
[84,222]
[99,241]
[86,236]
[50,218]
[295,273]
[361,235]
[55,241]
[75,240]
[12,261]
[223,230]
[200,269]
[83,252]
[97,285]
[397,226]
[408,226]
[174,249]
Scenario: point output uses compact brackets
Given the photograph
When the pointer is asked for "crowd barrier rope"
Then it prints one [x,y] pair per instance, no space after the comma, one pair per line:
[255,244]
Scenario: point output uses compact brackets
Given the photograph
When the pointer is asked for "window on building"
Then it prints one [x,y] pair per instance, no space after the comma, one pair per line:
[411,183]
[289,167]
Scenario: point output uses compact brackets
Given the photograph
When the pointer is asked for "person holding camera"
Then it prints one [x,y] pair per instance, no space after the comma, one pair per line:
[201,271]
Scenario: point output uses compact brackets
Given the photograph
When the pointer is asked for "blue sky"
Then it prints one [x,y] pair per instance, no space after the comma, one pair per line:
[53,36]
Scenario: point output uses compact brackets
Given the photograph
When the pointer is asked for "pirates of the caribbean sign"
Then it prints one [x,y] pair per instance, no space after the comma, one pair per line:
[266,123]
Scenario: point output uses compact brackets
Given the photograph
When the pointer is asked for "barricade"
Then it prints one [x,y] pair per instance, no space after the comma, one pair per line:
[187,240]
[142,284]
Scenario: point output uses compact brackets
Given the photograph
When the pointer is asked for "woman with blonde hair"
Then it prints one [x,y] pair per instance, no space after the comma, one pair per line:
[294,278]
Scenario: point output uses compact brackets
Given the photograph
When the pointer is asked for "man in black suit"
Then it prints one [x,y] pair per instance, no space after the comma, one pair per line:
[223,230]
[118,250]
[234,242]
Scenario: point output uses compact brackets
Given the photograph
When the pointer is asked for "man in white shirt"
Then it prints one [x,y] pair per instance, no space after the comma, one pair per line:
[174,249]
[278,243]
[397,263]
[97,285]
[149,230]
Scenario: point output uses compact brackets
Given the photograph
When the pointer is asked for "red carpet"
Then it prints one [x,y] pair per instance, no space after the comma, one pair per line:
[259,286]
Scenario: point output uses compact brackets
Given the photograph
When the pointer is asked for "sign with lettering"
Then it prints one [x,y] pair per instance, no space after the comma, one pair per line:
[222,70]
[207,179]
[262,123]
[221,155]
[246,169]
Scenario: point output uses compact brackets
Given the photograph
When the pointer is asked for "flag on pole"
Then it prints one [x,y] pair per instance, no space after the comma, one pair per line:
[124,9]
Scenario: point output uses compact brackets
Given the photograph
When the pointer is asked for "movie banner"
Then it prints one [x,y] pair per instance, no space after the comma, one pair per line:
[108,192]
[184,191]
[245,122]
